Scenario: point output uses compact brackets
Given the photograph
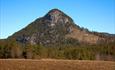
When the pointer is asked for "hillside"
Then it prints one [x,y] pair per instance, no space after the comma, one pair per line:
[57,28]
[55,35]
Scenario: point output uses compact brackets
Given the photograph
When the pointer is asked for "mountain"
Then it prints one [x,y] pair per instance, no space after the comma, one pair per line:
[55,35]
[56,28]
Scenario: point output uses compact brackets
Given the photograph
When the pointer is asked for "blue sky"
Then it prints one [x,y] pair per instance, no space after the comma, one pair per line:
[96,15]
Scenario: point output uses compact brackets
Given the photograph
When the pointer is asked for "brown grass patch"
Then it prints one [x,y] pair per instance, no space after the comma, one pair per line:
[53,64]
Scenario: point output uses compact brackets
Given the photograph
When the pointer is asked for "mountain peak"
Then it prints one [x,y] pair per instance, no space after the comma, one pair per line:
[56,16]
[57,28]
[55,11]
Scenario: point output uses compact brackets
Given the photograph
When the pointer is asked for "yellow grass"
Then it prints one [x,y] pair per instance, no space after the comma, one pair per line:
[53,64]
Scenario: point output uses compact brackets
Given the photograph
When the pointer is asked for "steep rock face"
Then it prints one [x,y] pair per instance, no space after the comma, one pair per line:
[50,29]
[83,36]
[55,28]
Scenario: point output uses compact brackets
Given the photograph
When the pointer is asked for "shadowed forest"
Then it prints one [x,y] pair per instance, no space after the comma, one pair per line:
[12,49]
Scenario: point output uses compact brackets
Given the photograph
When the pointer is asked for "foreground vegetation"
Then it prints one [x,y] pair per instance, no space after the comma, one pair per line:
[12,49]
[52,64]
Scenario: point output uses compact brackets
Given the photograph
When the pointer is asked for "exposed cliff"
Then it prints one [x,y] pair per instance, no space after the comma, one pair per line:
[57,28]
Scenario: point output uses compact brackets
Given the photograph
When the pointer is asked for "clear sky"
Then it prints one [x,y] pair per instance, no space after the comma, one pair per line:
[96,15]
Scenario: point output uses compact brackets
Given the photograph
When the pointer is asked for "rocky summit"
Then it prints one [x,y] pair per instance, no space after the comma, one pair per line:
[57,28]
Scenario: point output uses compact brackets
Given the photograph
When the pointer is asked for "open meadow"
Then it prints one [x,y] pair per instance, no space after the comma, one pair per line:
[53,64]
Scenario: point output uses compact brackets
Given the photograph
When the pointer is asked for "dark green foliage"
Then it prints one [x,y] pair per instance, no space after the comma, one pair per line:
[12,49]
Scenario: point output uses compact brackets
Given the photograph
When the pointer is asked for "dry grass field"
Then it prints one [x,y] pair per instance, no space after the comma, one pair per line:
[52,64]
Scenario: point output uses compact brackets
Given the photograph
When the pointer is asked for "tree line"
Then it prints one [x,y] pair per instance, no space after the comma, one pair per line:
[13,49]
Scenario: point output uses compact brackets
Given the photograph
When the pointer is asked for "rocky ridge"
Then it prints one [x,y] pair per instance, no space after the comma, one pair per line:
[57,28]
